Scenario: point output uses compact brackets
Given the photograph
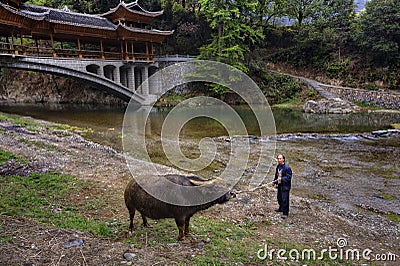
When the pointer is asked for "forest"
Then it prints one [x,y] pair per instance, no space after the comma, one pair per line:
[326,38]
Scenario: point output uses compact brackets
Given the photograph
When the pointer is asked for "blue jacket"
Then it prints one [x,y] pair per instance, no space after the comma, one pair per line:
[286,183]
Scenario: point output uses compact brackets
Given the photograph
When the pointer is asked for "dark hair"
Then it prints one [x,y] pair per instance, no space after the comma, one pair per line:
[283,156]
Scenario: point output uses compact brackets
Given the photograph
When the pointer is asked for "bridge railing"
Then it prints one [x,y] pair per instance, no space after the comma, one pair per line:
[176,58]
[9,48]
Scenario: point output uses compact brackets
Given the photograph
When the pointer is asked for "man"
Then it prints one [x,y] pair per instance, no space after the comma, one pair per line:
[283,180]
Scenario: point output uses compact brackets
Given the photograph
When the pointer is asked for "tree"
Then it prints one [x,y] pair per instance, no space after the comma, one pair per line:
[233,32]
[330,24]
[300,9]
[378,31]
[267,9]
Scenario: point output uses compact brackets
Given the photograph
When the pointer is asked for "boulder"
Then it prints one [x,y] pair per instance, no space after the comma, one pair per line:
[329,106]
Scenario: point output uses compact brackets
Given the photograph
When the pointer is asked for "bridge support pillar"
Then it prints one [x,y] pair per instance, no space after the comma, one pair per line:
[154,84]
[131,78]
[145,84]
[122,74]
[117,75]
[101,72]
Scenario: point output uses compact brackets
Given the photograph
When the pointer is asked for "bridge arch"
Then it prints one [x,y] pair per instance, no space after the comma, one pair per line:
[92,68]
[53,66]
[110,72]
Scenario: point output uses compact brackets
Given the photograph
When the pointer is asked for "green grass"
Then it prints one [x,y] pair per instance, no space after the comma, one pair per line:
[291,104]
[22,121]
[387,196]
[368,106]
[393,217]
[32,125]
[7,156]
[229,243]
[37,195]
[74,128]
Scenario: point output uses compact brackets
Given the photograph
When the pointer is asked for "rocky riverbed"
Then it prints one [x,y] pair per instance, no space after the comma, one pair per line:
[345,187]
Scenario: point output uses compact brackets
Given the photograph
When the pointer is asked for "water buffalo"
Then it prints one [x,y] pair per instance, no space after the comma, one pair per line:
[136,198]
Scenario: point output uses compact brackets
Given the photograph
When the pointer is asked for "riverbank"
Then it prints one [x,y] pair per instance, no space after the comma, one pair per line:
[226,234]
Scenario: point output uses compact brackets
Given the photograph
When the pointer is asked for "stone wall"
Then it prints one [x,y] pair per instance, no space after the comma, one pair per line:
[389,100]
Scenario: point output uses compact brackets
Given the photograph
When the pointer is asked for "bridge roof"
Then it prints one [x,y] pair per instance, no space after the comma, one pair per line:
[65,24]
[132,12]
[65,16]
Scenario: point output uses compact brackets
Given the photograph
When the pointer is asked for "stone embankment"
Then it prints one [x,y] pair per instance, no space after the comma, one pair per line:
[339,100]
[383,99]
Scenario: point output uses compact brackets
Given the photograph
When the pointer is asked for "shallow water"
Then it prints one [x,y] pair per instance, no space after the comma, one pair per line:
[106,122]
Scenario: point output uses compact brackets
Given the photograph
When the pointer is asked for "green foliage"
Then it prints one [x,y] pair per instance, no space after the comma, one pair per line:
[300,10]
[338,69]
[233,32]
[82,6]
[371,87]
[378,31]
[191,29]
[280,88]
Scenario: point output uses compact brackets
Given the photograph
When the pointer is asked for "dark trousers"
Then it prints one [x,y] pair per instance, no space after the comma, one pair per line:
[283,200]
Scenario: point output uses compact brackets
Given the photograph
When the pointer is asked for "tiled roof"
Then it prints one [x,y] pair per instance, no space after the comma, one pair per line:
[133,7]
[67,17]
[134,29]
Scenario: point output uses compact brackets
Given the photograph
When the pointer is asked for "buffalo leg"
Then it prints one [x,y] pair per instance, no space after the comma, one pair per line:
[131,216]
[187,231]
[145,223]
[180,222]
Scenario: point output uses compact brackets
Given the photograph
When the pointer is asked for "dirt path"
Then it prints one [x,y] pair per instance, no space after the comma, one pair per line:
[311,222]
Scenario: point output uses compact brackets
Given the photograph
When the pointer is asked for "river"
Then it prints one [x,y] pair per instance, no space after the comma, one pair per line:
[105,123]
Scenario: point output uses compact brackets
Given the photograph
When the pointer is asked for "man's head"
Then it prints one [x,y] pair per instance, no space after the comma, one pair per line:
[280,158]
